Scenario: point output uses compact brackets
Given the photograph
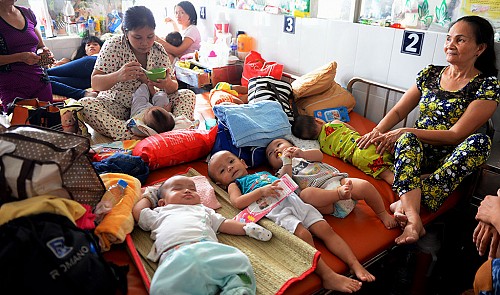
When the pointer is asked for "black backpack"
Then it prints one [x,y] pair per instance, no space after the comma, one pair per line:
[47,254]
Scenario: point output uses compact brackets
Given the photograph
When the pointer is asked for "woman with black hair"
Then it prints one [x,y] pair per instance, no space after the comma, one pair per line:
[454,102]
[118,73]
[186,17]
[71,78]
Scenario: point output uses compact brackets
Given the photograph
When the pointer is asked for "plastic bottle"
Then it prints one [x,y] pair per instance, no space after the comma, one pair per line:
[111,197]
[91,27]
[397,14]
[234,47]
[245,45]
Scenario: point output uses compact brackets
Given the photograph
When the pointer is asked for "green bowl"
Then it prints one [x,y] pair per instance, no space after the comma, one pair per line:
[156,73]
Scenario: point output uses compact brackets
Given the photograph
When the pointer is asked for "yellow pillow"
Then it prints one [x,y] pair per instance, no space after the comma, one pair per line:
[335,96]
[315,82]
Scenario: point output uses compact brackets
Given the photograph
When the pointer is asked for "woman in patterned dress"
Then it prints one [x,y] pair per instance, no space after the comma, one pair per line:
[117,75]
[454,102]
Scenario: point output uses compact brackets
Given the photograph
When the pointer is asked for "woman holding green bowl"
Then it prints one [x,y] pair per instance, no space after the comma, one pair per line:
[118,73]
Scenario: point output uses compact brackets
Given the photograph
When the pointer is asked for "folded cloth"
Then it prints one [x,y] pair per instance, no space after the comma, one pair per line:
[123,163]
[41,204]
[118,222]
[254,124]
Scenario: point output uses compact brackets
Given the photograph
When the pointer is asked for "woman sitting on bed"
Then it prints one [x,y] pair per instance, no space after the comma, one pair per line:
[454,102]
[71,78]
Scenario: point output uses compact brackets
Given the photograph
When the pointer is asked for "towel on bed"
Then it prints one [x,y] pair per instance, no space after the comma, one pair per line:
[118,222]
[254,124]
[276,263]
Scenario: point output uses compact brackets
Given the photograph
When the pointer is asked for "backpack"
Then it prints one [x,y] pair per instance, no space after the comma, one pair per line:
[37,161]
[47,254]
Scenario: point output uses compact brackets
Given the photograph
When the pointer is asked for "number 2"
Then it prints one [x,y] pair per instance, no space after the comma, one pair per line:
[415,39]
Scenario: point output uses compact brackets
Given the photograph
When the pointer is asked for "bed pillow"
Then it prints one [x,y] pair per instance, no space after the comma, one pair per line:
[304,144]
[315,82]
[203,187]
[175,147]
[335,96]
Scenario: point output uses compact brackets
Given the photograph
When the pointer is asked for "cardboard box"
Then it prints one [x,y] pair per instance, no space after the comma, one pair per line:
[213,75]
[190,77]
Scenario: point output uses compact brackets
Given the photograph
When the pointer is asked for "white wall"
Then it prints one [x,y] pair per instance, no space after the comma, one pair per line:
[359,50]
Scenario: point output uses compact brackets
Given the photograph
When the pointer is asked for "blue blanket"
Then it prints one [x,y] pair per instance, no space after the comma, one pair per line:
[254,124]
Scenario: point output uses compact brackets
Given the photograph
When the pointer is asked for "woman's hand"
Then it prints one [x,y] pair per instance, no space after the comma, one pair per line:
[366,140]
[168,20]
[387,141]
[130,71]
[489,210]
[486,235]
[29,58]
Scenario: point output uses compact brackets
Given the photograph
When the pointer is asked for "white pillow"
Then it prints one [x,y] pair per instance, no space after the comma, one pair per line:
[304,144]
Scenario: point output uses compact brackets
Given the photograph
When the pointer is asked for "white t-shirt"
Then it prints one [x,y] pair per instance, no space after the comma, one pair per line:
[192,33]
[174,224]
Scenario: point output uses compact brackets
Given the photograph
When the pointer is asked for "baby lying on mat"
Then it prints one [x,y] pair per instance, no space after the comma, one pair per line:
[186,245]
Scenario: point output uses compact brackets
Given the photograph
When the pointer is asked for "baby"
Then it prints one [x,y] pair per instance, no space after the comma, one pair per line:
[191,260]
[323,186]
[174,39]
[150,118]
[225,93]
[303,220]
[338,139]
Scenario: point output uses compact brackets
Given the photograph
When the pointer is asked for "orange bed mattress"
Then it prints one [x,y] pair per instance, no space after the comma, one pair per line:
[361,229]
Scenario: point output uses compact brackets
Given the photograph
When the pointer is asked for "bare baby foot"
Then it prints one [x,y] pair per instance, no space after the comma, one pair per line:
[388,220]
[341,283]
[361,273]
[344,190]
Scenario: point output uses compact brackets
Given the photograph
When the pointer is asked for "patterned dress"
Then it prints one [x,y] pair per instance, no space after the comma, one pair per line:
[109,111]
[448,165]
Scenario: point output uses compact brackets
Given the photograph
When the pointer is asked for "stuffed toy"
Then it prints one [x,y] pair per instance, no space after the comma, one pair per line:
[69,121]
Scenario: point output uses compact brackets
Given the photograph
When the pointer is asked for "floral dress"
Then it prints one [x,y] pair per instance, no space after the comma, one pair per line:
[109,111]
[448,165]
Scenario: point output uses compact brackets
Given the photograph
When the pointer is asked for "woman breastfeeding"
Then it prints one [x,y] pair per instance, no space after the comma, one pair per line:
[118,73]
[454,102]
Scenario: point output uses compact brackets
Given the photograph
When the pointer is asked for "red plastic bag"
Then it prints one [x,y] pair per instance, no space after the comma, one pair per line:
[256,66]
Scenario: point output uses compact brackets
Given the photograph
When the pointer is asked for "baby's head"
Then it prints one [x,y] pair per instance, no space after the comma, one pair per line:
[159,119]
[224,167]
[179,190]
[307,127]
[274,151]
[174,39]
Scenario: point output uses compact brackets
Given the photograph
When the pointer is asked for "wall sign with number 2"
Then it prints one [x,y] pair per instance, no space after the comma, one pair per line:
[412,43]
[289,26]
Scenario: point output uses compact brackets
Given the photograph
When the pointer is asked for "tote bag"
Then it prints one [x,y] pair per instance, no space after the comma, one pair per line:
[256,66]
[269,88]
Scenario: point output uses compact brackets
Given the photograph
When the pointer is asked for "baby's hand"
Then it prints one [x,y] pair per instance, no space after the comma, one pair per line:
[271,190]
[257,232]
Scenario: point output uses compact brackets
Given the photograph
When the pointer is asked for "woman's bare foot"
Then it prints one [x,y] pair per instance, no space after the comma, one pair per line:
[395,206]
[344,190]
[337,282]
[388,220]
[413,231]
[361,273]
[401,219]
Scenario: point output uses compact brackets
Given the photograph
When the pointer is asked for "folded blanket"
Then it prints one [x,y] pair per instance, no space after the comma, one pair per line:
[119,221]
[254,124]
[41,204]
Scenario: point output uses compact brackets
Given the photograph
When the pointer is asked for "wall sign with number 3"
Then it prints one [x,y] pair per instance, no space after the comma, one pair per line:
[289,25]
[412,43]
